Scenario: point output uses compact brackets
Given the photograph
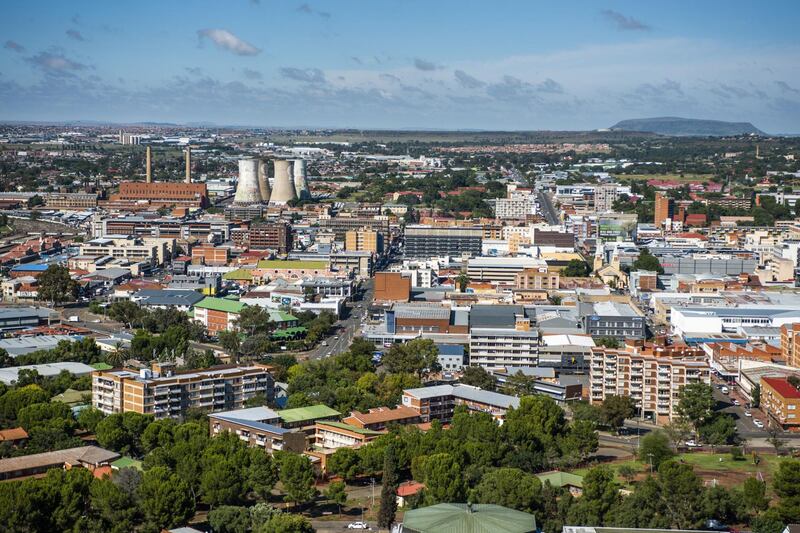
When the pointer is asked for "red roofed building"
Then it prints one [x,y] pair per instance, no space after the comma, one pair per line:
[698,219]
[780,400]
[406,490]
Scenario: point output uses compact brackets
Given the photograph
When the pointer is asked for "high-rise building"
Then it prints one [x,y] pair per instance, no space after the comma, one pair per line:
[790,344]
[663,211]
[275,236]
[428,241]
[166,394]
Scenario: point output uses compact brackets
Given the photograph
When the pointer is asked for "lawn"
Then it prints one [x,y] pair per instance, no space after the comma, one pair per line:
[708,466]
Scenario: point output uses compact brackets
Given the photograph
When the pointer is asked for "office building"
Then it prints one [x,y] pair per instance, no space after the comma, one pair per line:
[429,241]
[663,210]
[166,394]
[780,400]
[618,320]
[364,240]
[501,269]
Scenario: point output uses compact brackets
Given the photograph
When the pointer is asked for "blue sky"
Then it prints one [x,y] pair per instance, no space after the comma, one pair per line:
[401,64]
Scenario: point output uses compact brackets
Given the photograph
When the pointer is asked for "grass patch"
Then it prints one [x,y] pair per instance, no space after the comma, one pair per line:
[706,465]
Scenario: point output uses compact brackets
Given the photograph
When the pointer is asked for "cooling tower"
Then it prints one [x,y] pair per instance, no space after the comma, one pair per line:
[263,181]
[282,187]
[247,192]
[300,178]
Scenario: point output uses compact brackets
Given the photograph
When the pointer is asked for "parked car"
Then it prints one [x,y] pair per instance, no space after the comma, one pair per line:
[725,390]
[735,401]
[692,444]
[358,525]
[758,423]
[748,413]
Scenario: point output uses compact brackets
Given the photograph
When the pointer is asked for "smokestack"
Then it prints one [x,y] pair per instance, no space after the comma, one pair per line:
[247,190]
[149,171]
[263,180]
[283,187]
[300,178]
[188,165]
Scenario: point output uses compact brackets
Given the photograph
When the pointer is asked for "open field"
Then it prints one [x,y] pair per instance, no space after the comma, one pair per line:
[672,177]
[711,467]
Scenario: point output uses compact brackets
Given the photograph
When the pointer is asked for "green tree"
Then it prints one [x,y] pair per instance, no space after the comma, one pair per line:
[113,508]
[719,430]
[462,281]
[682,495]
[609,342]
[647,261]
[769,521]
[654,449]
[55,285]
[627,472]
[754,493]
[417,356]
[616,409]
[388,507]
[696,403]
[509,487]
[297,478]
[442,476]
[165,498]
[600,496]
[127,312]
[756,392]
[285,523]
[478,377]
[230,341]
[344,462]
[576,268]
[786,484]
[229,519]
[262,473]
[336,494]
[89,417]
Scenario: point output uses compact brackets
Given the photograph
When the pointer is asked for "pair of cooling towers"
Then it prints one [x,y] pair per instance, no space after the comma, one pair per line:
[289,182]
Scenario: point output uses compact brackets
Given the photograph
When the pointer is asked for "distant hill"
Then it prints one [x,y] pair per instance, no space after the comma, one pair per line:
[687,126]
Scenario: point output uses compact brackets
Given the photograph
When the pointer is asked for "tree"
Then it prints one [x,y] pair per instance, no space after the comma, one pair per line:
[344,462]
[89,417]
[56,285]
[253,320]
[509,487]
[125,311]
[754,494]
[756,392]
[229,519]
[262,473]
[335,493]
[600,496]
[681,495]
[417,356]
[297,477]
[678,431]
[230,341]
[462,280]
[786,484]
[627,472]
[285,523]
[775,439]
[609,342]
[221,481]
[696,403]
[113,508]
[647,261]
[719,430]
[580,442]
[576,268]
[615,409]
[478,377]
[442,476]
[388,507]
[654,449]
[165,498]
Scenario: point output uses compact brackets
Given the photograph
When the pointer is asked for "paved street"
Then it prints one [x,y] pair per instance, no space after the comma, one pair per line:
[548,210]
[349,327]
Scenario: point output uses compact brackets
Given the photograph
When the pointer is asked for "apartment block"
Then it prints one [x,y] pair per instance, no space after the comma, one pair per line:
[332,435]
[652,376]
[364,240]
[537,278]
[439,402]
[166,394]
[502,336]
[429,241]
[210,255]
[217,314]
[275,236]
[136,249]
[259,427]
[790,344]
[781,401]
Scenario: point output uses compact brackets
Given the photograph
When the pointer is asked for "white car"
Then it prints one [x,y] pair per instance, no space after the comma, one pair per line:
[357,525]
[758,423]
[748,413]
[692,444]
[735,401]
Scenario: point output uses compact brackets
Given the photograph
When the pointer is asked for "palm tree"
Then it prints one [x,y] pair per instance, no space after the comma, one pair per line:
[462,280]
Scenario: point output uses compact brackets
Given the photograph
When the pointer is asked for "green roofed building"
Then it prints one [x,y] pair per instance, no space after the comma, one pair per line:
[304,416]
[573,482]
[297,267]
[217,314]
[467,518]
[73,397]
[101,366]
[220,304]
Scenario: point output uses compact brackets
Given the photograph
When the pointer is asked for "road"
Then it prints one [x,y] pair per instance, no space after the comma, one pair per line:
[548,210]
[349,327]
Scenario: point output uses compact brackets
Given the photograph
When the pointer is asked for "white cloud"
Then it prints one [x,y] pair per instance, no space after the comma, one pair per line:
[225,40]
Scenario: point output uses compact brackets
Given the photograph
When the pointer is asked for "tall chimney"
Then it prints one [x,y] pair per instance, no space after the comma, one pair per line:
[188,165]
[149,170]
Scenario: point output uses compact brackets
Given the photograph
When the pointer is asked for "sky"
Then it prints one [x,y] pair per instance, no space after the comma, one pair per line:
[411,64]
